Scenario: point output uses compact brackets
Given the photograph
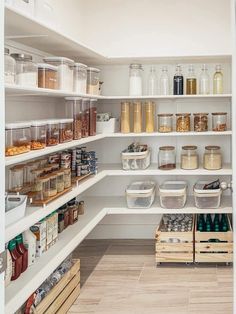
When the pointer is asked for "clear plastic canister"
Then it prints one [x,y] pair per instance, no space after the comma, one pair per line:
[92,117]
[66,130]
[183,122]
[93,75]
[200,122]
[47,76]
[52,132]
[29,168]
[149,116]
[80,78]
[212,159]
[219,121]
[16,178]
[74,110]
[165,122]
[38,134]
[125,117]
[85,117]
[189,158]
[9,67]
[167,158]
[17,138]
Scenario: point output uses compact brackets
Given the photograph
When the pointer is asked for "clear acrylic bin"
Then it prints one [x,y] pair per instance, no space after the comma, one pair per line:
[173,194]
[206,198]
[140,194]
[136,160]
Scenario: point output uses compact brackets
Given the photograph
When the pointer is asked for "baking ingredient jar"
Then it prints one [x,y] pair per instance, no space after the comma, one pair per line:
[183,122]
[52,137]
[67,178]
[93,75]
[200,122]
[26,70]
[219,121]
[137,116]
[9,67]
[73,211]
[135,79]
[29,168]
[125,117]
[17,138]
[60,181]
[38,134]
[189,158]
[165,122]
[167,158]
[149,116]
[85,117]
[16,178]
[80,78]
[212,159]
[47,76]
[74,110]
[66,130]
[92,117]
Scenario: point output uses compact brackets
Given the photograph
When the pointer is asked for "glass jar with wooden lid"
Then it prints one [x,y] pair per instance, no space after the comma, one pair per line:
[212,159]
[189,157]
[167,158]
[165,122]
[183,122]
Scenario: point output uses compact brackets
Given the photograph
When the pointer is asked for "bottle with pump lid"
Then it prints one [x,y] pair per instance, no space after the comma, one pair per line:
[16,260]
[164,81]
[23,251]
[218,81]
[178,81]
[191,82]
[152,82]
[204,81]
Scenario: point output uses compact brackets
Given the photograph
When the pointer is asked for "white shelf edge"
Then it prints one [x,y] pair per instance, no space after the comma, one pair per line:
[170,134]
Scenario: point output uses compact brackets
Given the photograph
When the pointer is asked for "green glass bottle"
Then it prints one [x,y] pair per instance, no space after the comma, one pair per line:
[216,223]
[208,223]
[224,223]
[201,223]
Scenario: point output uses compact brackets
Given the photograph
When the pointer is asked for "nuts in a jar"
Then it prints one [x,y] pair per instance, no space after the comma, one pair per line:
[200,122]
[77,128]
[183,122]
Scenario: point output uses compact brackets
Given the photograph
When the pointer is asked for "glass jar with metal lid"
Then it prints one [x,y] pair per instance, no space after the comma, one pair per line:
[219,121]
[80,78]
[189,158]
[135,79]
[212,159]
[9,67]
[183,123]
[200,122]
[26,70]
[167,158]
[165,122]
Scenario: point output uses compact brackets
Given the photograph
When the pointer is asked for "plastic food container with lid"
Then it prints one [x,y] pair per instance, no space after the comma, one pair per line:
[17,138]
[92,117]
[80,78]
[206,198]
[173,194]
[93,75]
[47,76]
[66,130]
[74,110]
[65,71]
[136,160]
[38,134]
[9,67]
[52,137]
[15,206]
[85,117]
[140,194]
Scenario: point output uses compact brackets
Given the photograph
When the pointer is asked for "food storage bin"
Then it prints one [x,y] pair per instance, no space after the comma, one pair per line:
[85,117]
[136,160]
[149,116]
[47,76]
[92,117]
[93,75]
[80,78]
[15,206]
[173,194]
[26,70]
[125,117]
[206,198]
[189,158]
[74,110]
[167,158]
[219,121]
[38,134]
[16,178]
[183,123]
[17,138]
[212,159]
[165,122]
[52,137]
[110,126]
[200,122]
[66,130]
[140,194]
[9,67]
[65,71]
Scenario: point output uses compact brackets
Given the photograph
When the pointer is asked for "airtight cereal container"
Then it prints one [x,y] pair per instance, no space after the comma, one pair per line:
[17,138]
[38,134]
[52,132]
[206,198]
[140,194]
[93,75]
[66,130]
[47,76]
[173,194]
[136,160]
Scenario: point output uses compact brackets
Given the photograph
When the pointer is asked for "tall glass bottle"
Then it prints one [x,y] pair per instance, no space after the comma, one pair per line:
[218,81]
[164,82]
[152,82]
[191,82]
[204,81]
[178,81]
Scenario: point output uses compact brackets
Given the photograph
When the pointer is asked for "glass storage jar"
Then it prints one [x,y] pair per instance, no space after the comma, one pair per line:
[85,117]
[74,110]
[45,188]
[125,117]
[47,76]
[67,178]
[92,117]
[17,138]
[183,123]
[73,211]
[219,121]
[26,70]
[60,181]
[36,185]
[212,159]
[165,122]
[137,116]
[47,169]
[135,79]
[9,67]
[189,158]
[80,78]
[200,122]
[149,116]
[16,178]
[65,71]
[167,158]
[29,168]
[38,134]
[66,130]
[52,137]
[52,185]
[93,75]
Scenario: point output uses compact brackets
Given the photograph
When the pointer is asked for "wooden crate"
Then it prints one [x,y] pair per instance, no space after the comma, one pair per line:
[214,252]
[178,252]
[63,295]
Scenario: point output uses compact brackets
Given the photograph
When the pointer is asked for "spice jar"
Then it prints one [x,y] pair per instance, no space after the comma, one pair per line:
[92,117]
[38,135]
[74,110]
[80,78]
[219,121]
[52,185]
[81,208]
[67,178]
[212,159]
[60,181]
[52,137]
[167,158]
[137,114]
[66,130]
[183,122]
[165,122]
[47,76]
[9,67]
[93,75]
[200,122]
[26,70]
[149,116]
[85,117]
[73,211]
[189,158]
[17,138]
[16,178]
[125,117]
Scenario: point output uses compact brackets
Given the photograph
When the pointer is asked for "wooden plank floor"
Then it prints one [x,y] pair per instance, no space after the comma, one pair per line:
[120,277]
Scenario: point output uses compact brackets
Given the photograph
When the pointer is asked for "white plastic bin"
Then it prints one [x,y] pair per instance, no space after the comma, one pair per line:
[206,198]
[136,160]
[15,206]
[173,194]
[110,126]
[140,194]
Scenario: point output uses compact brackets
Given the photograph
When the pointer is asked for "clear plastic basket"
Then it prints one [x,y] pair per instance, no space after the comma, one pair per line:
[140,194]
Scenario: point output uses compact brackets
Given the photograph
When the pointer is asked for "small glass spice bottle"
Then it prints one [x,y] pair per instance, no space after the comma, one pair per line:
[81,208]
